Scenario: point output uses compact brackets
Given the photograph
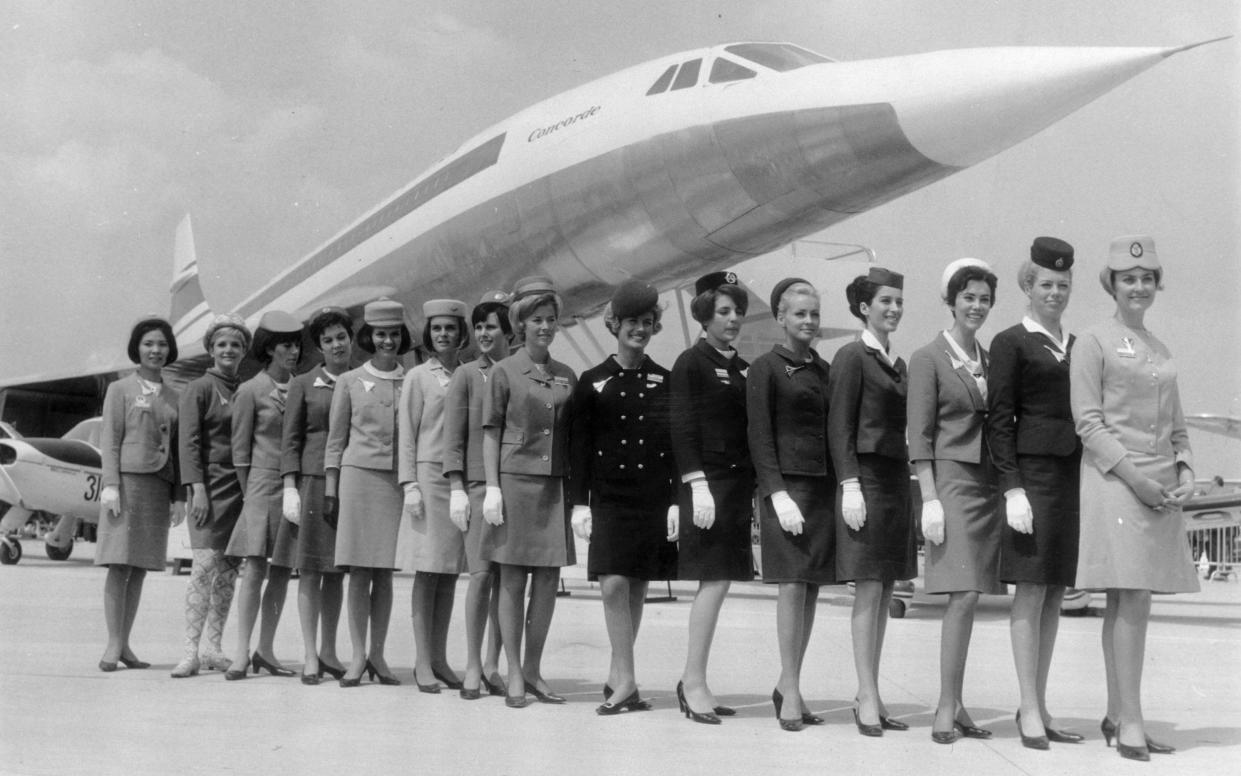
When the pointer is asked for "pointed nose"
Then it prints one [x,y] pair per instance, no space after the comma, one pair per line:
[960,107]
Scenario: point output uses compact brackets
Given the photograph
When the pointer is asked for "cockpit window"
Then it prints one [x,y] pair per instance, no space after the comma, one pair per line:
[661,84]
[688,75]
[726,70]
[780,57]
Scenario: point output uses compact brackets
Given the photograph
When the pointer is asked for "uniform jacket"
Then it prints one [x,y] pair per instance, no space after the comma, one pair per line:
[463,420]
[205,426]
[946,410]
[362,427]
[1125,398]
[708,411]
[139,431]
[258,423]
[422,418]
[304,435]
[1028,401]
[786,406]
[532,413]
[866,415]
[619,432]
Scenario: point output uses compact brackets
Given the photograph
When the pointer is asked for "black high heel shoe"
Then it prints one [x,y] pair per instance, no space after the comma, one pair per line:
[971,731]
[873,731]
[312,679]
[336,672]
[346,681]
[495,685]
[544,697]
[946,737]
[452,684]
[1063,736]
[107,666]
[791,725]
[812,719]
[372,672]
[1031,742]
[1140,753]
[432,688]
[1108,728]
[134,663]
[888,723]
[259,663]
[706,719]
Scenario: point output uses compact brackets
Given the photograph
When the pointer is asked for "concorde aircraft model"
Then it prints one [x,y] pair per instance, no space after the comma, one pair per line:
[682,164]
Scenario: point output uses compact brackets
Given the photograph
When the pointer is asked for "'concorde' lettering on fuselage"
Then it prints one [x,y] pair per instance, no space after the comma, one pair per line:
[542,132]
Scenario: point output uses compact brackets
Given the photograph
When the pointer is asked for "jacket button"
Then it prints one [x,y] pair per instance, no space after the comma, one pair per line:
[547,406]
[622,466]
[623,417]
[641,395]
[640,466]
[624,441]
[640,417]
[641,441]
[547,431]
[622,393]
[544,458]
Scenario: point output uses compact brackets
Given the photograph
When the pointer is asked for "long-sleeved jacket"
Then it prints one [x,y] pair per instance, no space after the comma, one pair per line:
[1125,398]
[786,406]
[1028,401]
[303,440]
[362,426]
[421,419]
[708,411]
[867,411]
[619,432]
[532,413]
[946,410]
[139,431]
[258,423]
[463,420]
[205,426]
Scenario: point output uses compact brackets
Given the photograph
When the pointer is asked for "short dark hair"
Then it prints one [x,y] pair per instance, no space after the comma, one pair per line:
[265,340]
[463,334]
[483,311]
[703,306]
[861,291]
[151,324]
[366,342]
[321,323]
[966,275]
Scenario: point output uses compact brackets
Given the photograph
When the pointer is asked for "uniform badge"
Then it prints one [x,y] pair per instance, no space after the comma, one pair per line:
[722,374]
[142,401]
[655,378]
[367,385]
[1135,250]
[731,278]
[1126,349]
[564,381]
[1060,262]
[791,370]
[598,384]
[321,383]
[220,396]
[745,372]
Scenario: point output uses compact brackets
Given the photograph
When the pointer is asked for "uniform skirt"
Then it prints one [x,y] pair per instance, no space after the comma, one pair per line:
[629,535]
[725,550]
[260,530]
[1126,544]
[1049,555]
[438,545]
[535,531]
[811,555]
[885,548]
[223,509]
[969,557]
[369,518]
[316,540]
[139,535]
[474,561]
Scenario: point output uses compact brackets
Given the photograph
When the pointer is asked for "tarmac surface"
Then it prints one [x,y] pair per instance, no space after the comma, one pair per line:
[60,715]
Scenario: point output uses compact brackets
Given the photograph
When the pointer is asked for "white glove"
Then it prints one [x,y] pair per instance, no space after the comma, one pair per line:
[674,523]
[581,521]
[852,504]
[291,506]
[788,512]
[459,509]
[704,504]
[933,521]
[413,502]
[110,500]
[1017,509]
[493,505]
[176,513]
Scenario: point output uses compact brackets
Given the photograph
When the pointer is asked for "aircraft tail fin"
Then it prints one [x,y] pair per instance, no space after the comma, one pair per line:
[189,312]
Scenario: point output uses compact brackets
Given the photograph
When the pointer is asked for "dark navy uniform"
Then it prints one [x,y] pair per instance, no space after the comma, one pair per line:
[1034,446]
[709,436]
[621,465]
[787,408]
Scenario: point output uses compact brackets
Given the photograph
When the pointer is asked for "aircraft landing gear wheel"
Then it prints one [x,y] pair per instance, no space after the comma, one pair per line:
[58,553]
[896,608]
[10,551]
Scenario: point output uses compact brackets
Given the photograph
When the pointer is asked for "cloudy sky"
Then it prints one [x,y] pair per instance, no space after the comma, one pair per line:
[275,124]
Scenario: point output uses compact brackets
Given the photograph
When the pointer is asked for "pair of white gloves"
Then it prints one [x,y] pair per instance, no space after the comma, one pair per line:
[1017,511]
[458,506]
[110,500]
[852,508]
[582,522]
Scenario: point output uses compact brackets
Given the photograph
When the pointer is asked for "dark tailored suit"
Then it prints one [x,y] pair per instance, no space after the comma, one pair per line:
[621,465]
[302,446]
[709,436]
[866,437]
[787,409]
[1034,445]
[205,454]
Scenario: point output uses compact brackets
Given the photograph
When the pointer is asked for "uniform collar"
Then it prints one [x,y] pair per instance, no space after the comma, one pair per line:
[1034,327]
[614,368]
[871,341]
[717,358]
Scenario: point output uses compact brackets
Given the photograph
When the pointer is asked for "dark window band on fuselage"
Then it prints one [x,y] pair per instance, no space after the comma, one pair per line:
[455,172]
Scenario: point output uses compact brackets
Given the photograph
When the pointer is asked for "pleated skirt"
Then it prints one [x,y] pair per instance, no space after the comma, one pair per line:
[369,518]
[261,530]
[438,545]
[885,548]
[969,557]
[139,535]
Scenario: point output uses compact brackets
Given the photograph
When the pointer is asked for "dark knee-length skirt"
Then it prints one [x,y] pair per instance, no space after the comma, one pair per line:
[316,540]
[885,548]
[629,532]
[725,550]
[811,555]
[223,508]
[1049,555]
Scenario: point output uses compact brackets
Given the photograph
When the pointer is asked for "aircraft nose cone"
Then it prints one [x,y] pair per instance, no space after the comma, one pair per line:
[960,107]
